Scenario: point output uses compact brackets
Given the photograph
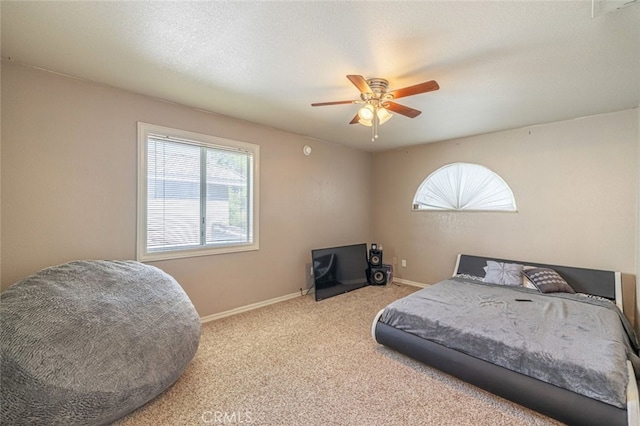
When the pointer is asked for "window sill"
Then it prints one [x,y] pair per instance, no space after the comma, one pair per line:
[181,254]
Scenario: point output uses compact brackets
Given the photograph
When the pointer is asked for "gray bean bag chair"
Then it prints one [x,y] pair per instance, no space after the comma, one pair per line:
[85,343]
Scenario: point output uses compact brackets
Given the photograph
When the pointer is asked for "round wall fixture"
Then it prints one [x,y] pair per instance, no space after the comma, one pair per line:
[307,150]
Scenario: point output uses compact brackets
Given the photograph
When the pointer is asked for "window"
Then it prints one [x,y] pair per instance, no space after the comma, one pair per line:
[197,194]
[464,186]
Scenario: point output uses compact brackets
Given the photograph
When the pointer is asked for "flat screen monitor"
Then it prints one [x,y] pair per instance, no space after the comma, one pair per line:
[338,270]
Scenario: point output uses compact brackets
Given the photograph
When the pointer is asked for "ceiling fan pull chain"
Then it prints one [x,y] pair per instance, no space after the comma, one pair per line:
[376,121]
[374,128]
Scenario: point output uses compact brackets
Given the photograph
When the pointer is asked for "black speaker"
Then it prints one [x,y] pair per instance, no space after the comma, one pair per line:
[375,256]
[378,275]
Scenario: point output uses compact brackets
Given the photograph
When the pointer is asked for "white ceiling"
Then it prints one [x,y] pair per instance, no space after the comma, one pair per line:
[500,65]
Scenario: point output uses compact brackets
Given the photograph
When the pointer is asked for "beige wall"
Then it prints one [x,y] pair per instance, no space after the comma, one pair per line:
[638,228]
[576,189]
[69,177]
[69,189]
[0,176]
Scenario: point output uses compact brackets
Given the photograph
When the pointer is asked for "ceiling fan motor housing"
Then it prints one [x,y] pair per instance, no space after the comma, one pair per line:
[379,88]
[378,85]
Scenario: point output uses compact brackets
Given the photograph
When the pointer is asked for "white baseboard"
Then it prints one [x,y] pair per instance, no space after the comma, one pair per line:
[264,303]
[250,307]
[413,283]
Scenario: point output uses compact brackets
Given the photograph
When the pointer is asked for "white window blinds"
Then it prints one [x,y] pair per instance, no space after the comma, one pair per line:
[173,195]
[464,186]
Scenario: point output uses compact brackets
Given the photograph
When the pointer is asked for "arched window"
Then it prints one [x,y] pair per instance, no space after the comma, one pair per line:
[464,186]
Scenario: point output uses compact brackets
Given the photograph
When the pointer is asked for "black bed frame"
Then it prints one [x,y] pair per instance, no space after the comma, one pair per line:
[582,280]
[561,404]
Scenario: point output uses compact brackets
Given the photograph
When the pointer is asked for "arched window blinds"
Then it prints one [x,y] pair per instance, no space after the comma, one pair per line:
[464,186]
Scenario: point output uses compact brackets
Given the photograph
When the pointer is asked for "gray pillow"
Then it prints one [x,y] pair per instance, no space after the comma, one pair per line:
[547,280]
[503,273]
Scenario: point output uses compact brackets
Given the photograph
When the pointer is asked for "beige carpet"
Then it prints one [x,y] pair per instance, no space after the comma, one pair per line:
[302,362]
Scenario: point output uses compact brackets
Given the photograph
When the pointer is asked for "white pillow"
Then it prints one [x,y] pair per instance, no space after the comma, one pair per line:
[503,273]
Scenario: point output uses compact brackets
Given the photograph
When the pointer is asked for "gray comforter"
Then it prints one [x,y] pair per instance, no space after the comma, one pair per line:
[572,341]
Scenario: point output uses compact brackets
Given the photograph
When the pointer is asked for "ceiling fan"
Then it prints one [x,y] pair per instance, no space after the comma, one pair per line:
[378,101]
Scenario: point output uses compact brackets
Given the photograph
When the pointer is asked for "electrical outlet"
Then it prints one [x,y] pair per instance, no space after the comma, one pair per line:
[395,260]
[404,263]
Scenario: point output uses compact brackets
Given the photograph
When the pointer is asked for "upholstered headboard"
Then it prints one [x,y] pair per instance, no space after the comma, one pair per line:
[592,281]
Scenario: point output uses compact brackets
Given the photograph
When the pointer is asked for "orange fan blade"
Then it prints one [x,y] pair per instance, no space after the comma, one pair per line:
[332,103]
[355,120]
[401,109]
[360,83]
[427,86]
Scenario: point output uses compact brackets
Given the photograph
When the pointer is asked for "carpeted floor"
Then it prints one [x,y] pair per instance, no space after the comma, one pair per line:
[302,362]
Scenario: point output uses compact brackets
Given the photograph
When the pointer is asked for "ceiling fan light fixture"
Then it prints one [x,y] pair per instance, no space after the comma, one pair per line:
[366,113]
[383,115]
[367,123]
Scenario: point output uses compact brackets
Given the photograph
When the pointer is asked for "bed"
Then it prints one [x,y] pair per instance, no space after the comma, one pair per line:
[576,365]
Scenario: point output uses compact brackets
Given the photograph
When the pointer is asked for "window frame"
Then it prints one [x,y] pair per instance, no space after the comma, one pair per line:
[202,140]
